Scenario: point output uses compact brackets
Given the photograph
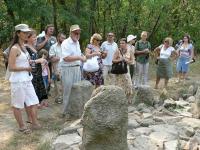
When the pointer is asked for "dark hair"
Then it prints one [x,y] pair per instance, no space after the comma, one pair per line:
[47,27]
[15,39]
[123,39]
[188,37]
[31,33]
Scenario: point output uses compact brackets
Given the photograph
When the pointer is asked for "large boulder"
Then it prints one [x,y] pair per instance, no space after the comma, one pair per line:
[196,106]
[144,94]
[105,120]
[80,94]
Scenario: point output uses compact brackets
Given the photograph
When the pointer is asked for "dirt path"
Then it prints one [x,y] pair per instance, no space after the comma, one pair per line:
[10,138]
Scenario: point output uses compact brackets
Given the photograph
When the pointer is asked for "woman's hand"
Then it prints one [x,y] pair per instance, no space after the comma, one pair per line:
[29,69]
[96,53]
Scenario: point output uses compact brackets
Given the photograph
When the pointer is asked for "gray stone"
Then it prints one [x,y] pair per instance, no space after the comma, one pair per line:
[147,122]
[182,103]
[69,130]
[160,137]
[143,143]
[60,146]
[80,132]
[142,107]
[191,99]
[67,140]
[105,120]
[80,94]
[191,90]
[144,130]
[171,145]
[169,103]
[132,123]
[192,122]
[189,131]
[167,119]
[131,109]
[144,95]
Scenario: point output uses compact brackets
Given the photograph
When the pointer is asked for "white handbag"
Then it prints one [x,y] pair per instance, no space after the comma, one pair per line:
[91,65]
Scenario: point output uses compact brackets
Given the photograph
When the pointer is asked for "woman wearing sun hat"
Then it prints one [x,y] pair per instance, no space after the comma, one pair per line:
[22,90]
[130,46]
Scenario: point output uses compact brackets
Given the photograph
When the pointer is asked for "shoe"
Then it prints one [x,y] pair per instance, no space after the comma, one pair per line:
[25,130]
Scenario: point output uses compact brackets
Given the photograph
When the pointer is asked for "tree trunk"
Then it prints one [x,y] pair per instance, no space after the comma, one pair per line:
[78,6]
[10,12]
[55,16]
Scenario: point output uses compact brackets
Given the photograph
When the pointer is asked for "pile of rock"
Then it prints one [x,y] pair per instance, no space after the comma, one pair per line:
[108,123]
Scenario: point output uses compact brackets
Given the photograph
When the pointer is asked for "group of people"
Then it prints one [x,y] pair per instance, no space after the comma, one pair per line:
[38,63]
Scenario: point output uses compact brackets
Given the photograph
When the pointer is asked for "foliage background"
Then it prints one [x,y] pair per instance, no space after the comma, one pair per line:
[160,18]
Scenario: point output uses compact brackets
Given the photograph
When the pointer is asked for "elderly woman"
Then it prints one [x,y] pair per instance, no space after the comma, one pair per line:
[164,68]
[93,49]
[123,80]
[185,52]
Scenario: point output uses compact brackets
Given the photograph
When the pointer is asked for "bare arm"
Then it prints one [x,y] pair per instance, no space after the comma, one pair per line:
[41,45]
[116,57]
[89,53]
[14,52]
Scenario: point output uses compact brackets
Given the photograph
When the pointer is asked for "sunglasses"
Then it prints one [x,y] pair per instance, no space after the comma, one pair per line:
[97,40]
[77,33]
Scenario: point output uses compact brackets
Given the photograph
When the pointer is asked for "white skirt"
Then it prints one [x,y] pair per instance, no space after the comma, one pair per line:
[23,93]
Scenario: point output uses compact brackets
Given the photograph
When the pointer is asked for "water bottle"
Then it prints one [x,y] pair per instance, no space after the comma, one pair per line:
[33,57]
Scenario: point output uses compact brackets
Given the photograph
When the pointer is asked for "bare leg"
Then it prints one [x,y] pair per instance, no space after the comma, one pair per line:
[157,82]
[166,82]
[28,112]
[18,116]
[33,113]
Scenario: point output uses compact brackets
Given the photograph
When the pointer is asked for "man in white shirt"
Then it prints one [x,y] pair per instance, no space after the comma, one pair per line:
[109,47]
[55,53]
[70,63]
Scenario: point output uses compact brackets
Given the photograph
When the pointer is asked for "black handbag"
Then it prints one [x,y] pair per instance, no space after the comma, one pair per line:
[120,67]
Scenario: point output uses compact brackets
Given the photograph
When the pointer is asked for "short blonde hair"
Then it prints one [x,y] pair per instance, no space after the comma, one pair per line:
[95,36]
[169,40]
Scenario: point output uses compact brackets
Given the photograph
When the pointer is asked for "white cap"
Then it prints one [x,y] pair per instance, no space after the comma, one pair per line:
[22,27]
[131,37]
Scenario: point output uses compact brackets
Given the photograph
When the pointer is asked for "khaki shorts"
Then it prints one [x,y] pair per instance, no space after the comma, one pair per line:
[23,93]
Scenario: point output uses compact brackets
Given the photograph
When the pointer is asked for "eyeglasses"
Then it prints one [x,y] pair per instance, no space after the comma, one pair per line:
[110,35]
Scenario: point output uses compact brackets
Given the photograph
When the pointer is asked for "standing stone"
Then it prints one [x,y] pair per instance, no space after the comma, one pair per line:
[80,94]
[144,95]
[105,120]
[196,109]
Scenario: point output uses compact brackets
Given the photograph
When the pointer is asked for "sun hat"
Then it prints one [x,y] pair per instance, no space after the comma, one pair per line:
[74,27]
[131,37]
[22,27]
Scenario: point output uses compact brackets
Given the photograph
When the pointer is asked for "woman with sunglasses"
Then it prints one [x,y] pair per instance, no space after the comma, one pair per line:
[92,50]
[164,69]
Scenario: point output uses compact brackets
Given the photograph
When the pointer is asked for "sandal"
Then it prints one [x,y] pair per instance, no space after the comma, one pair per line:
[25,130]
[28,122]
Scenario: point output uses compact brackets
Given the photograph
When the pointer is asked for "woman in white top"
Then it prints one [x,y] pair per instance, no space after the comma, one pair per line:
[164,68]
[22,91]
[185,55]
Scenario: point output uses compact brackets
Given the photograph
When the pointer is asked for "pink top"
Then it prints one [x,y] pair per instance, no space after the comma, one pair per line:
[45,69]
